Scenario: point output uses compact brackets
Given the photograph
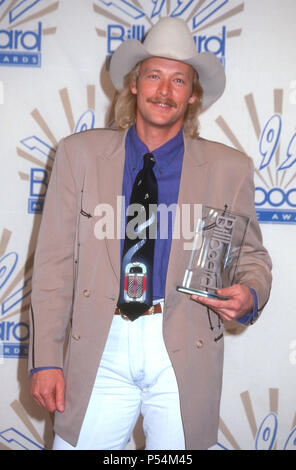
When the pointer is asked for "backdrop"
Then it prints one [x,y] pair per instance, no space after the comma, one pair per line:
[53,82]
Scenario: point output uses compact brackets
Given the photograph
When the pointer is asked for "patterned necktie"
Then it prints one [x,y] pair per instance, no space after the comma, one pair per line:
[136,288]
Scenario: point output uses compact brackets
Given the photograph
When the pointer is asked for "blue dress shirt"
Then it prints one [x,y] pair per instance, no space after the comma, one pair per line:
[167,170]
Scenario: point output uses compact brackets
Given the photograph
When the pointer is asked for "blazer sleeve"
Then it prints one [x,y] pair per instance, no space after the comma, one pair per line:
[255,264]
[53,272]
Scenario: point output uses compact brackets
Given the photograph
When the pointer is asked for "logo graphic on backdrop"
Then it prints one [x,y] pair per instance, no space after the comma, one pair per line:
[13,439]
[15,287]
[266,434]
[22,31]
[275,162]
[39,149]
[130,20]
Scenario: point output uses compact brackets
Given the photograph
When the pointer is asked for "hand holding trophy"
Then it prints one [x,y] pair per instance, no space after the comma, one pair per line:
[218,240]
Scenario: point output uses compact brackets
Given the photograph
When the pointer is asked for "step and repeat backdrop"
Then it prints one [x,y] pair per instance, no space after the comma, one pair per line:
[53,82]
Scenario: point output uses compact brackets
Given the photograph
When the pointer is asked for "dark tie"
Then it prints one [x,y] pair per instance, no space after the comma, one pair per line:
[136,288]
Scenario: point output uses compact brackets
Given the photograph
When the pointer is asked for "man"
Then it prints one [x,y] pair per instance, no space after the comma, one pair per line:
[167,366]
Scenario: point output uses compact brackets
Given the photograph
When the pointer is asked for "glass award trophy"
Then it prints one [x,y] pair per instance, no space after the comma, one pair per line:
[218,240]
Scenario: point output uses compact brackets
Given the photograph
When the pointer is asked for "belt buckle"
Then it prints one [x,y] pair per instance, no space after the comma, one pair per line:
[124,316]
[151,310]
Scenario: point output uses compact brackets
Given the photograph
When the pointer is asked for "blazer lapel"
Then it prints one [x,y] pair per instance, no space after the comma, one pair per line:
[193,191]
[110,174]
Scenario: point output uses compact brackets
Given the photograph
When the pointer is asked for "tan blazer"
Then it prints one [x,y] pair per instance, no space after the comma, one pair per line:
[76,276]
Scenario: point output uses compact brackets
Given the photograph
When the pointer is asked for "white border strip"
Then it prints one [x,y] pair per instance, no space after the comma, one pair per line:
[1,93]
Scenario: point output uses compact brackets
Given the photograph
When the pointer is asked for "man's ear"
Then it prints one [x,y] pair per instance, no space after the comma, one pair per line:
[192,98]
[133,88]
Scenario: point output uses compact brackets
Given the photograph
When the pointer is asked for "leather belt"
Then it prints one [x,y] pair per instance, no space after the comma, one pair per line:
[157,308]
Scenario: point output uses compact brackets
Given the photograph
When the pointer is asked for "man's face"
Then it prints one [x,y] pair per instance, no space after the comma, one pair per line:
[164,90]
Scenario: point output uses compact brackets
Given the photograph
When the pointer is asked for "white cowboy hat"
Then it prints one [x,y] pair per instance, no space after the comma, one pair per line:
[170,38]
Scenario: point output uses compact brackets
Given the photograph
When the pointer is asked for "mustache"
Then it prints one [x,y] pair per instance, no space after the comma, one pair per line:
[167,101]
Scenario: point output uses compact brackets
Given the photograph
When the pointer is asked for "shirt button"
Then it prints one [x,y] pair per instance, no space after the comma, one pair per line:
[199,343]
[86,293]
[76,336]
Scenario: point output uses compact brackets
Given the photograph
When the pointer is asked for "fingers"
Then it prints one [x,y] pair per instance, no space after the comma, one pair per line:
[224,308]
[60,397]
[38,398]
[48,389]
[216,304]
[240,302]
[47,400]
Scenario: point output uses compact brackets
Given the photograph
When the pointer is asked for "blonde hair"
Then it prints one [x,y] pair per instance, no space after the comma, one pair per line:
[125,105]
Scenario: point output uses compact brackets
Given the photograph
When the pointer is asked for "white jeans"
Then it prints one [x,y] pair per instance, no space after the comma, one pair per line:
[135,376]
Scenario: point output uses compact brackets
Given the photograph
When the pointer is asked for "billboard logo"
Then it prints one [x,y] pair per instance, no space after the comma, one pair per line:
[14,334]
[13,338]
[275,163]
[131,21]
[41,151]
[271,198]
[21,45]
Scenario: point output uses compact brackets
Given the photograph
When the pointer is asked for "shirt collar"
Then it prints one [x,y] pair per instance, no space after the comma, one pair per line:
[165,155]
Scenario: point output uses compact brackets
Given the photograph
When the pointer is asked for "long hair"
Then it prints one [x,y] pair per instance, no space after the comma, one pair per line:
[125,105]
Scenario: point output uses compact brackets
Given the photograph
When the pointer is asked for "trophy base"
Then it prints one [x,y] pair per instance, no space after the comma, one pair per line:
[202,293]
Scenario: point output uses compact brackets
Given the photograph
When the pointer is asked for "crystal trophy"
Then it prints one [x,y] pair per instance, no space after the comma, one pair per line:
[217,244]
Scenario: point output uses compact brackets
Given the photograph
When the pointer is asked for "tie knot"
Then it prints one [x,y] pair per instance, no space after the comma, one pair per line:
[149,161]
